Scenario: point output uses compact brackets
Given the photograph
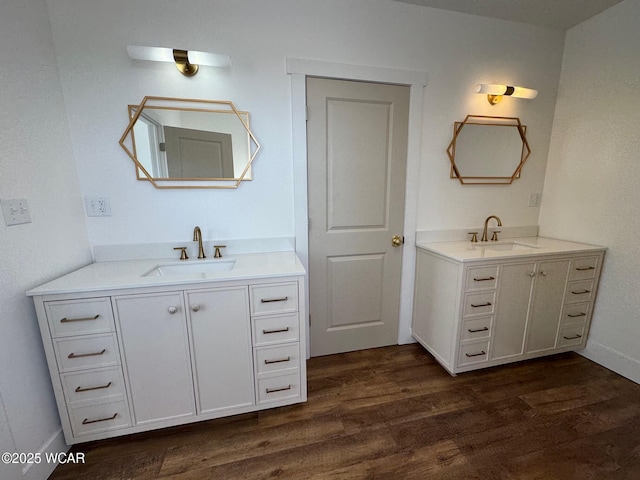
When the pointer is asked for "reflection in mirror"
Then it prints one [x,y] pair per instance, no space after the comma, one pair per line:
[488,150]
[182,143]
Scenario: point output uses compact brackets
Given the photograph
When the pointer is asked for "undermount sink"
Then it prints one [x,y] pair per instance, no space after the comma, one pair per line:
[509,246]
[193,268]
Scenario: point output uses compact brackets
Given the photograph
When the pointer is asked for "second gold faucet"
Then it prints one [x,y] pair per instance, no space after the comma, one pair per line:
[197,236]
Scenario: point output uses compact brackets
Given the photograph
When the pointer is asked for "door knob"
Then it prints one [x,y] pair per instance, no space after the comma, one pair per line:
[396,240]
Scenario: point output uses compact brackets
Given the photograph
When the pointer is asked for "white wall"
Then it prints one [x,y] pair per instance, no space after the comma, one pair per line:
[456,50]
[591,189]
[37,164]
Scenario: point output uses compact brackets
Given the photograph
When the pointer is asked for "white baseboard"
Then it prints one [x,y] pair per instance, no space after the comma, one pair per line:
[42,470]
[613,360]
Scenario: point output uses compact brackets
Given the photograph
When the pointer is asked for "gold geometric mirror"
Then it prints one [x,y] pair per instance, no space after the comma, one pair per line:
[187,143]
[488,150]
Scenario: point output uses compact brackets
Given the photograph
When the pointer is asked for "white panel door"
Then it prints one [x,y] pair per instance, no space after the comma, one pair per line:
[222,350]
[357,148]
[155,343]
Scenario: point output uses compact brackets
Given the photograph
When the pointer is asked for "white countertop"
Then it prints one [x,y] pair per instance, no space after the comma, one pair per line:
[525,247]
[129,273]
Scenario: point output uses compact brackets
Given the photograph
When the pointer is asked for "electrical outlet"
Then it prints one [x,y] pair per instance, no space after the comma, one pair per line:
[15,211]
[97,206]
[535,199]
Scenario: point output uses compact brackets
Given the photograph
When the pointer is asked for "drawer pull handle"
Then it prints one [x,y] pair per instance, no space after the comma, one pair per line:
[576,315]
[476,354]
[271,300]
[280,360]
[279,330]
[80,389]
[483,279]
[86,421]
[488,304]
[476,330]
[281,389]
[581,292]
[582,269]
[572,338]
[80,355]
[80,319]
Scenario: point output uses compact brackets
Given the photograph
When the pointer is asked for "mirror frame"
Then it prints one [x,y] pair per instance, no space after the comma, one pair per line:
[190,105]
[488,121]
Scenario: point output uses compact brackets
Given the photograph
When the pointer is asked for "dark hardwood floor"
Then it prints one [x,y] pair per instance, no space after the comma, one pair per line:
[394,413]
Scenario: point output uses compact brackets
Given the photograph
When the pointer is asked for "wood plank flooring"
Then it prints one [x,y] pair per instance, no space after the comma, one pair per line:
[394,413]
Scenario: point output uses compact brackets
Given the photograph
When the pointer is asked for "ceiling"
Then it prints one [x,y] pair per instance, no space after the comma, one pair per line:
[551,13]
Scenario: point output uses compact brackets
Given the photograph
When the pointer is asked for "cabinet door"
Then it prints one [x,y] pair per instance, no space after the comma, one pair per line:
[222,351]
[546,305]
[514,292]
[155,345]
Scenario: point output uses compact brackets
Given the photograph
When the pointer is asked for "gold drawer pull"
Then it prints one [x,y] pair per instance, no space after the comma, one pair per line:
[483,279]
[488,304]
[572,338]
[80,355]
[476,330]
[80,389]
[581,292]
[582,269]
[271,300]
[476,354]
[86,421]
[280,330]
[281,389]
[280,360]
[81,319]
[576,315]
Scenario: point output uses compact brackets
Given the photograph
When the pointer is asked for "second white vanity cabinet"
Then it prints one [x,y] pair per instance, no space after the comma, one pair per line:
[126,360]
[475,308]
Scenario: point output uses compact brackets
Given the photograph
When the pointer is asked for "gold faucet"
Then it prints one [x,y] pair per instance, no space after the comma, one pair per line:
[486,223]
[197,236]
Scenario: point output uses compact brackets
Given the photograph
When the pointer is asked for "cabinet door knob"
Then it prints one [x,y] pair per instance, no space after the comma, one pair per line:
[543,273]
[172,310]
[532,274]
[195,307]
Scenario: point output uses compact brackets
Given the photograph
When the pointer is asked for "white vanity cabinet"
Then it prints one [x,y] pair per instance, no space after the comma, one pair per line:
[480,312]
[127,360]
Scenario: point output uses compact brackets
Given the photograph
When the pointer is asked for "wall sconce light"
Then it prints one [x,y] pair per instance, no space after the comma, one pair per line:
[496,92]
[187,61]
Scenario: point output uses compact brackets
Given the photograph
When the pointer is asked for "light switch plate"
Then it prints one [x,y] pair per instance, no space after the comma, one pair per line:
[15,211]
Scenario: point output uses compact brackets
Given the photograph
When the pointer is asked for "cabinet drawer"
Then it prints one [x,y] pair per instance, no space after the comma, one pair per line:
[99,418]
[479,303]
[473,353]
[482,278]
[273,389]
[79,317]
[579,291]
[90,386]
[583,268]
[575,313]
[277,359]
[275,329]
[476,328]
[274,298]
[78,353]
[571,335]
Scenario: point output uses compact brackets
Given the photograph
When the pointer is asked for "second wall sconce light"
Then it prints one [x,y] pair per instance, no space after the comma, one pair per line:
[187,61]
[496,92]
